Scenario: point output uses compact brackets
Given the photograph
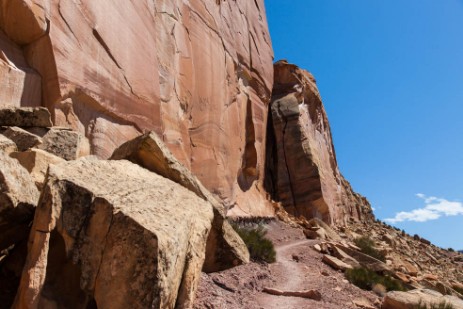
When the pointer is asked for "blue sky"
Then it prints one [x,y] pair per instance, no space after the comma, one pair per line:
[391,77]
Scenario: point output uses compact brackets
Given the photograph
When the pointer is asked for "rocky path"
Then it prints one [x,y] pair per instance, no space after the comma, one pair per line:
[294,276]
[298,268]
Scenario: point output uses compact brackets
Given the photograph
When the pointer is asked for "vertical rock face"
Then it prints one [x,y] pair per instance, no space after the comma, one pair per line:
[199,73]
[302,172]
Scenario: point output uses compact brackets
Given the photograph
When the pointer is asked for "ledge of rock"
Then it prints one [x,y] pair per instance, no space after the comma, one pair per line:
[110,234]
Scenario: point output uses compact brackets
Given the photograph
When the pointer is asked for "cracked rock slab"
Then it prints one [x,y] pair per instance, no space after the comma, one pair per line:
[110,234]
[225,248]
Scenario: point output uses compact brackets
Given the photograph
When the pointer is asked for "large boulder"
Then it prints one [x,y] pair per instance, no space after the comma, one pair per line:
[224,247]
[110,234]
[18,199]
[410,300]
[302,171]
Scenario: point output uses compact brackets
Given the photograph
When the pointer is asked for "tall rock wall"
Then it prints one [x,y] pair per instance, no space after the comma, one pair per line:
[197,72]
[302,171]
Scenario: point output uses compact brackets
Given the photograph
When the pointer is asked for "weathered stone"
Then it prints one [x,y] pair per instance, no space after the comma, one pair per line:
[323,229]
[343,256]
[110,234]
[365,260]
[25,117]
[335,262]
[24,21]
[65,144]
[409,300]
[310,294]
[302,172]
[20,84]
[7,145]
[225,248]
[18,199]
[23,139]
[36,162]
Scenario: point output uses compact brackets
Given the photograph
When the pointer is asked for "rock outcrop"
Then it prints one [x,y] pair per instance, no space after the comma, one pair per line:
[424,297]
[225,248]
[199,73]
[110,234]
[302,171]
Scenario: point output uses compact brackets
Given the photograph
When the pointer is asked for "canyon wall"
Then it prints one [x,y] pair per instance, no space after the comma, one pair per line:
[302,171]
[199,73]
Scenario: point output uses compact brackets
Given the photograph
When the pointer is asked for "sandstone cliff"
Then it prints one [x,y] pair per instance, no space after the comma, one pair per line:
[302,171]
[199,73]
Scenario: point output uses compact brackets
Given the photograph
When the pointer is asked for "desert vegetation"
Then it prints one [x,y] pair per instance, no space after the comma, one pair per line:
[367,246]
[366,279]
[260,248]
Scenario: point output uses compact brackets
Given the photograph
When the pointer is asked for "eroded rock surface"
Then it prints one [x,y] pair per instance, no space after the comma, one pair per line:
[18,198]
[199,73]
[25,117]
[225,248]
[110,234]
[302,172]
[411,299]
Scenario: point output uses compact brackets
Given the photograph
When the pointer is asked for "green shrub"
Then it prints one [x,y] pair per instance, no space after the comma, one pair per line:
[366,279]
[451,250]
[260,248]
[367,246]
[442,305]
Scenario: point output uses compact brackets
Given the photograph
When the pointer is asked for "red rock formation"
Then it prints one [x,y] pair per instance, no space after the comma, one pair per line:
[197,72]
[302,172]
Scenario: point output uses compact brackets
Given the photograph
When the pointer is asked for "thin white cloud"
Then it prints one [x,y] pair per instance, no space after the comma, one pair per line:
[434,209]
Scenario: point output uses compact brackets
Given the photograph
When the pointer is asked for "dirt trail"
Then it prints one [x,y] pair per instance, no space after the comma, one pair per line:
[294,274]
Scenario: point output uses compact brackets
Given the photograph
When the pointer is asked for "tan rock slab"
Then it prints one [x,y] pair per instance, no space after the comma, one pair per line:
[7,145]
[36,162]
[24,140]
[110,234]
[65,144]
[408,300]
[25,117]
[225,248]
[335,262]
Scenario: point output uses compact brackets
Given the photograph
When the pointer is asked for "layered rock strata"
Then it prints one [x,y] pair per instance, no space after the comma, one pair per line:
[199,73]
[302,171]
[110,234]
